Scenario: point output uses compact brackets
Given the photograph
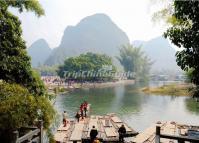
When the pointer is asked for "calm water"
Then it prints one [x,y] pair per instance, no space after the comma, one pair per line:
[137,109]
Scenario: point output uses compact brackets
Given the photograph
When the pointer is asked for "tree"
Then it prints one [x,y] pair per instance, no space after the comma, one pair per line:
[19,108]
[184,34]
[30,5]
[85,65]
[47,70]
[192,106]
[15,64]
[134,60]
[20,105]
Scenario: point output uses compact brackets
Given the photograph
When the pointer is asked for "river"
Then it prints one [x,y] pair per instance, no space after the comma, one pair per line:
[136,108]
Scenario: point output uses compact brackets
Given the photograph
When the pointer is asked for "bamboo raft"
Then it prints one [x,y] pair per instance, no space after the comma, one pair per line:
[107,127]
[167,128]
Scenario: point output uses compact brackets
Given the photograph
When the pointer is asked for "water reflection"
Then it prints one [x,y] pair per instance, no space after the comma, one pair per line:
[192,105]
[103,100]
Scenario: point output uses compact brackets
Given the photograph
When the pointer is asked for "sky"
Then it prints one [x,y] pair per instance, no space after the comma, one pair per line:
[132,16]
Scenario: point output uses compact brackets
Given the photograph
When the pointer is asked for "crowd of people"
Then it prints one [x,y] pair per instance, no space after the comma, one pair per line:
[52,80]
[56,80]
[81,113]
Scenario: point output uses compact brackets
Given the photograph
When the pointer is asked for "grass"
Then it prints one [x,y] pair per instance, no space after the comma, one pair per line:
[172,89]
[60,90]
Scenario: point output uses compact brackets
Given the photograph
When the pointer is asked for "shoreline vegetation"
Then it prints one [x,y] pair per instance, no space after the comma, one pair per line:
[64,88]
[106,84]
[182,89]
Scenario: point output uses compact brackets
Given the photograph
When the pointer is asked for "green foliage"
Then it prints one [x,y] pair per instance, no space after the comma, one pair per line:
[29,5]
[19,108]
[19,105]
[184,34]
[172,90]
[50,136]
[58,90]
[188,75]
[165,14]
[192,105]
[15,63]
[85,63]
[134,60]
[47,70]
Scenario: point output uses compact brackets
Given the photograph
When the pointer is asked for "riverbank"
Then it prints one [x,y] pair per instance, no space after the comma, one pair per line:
[106,84]
[171,89]
[64,88]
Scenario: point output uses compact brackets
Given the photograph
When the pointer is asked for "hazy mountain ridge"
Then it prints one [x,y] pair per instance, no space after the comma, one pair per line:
[96,33]
[160,52]
[39,51]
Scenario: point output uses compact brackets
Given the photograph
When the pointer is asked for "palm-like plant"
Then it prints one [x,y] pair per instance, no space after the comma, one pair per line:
[133,59]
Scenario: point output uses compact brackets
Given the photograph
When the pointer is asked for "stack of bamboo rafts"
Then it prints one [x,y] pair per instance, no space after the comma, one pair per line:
[167,128]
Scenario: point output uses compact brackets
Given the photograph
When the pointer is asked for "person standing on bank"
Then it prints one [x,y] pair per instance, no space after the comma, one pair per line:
[85,106]
[77,116]
[122,132]
[82,110]
[64,118]
[93,134]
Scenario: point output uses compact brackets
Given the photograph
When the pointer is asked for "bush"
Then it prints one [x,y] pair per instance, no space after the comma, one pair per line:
[19,108]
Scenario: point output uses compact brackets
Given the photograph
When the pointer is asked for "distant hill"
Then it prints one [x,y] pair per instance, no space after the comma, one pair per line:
[161,52]
[39,52]
[96,33]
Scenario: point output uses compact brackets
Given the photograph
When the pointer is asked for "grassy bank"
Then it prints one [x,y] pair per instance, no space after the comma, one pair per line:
[172,89]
